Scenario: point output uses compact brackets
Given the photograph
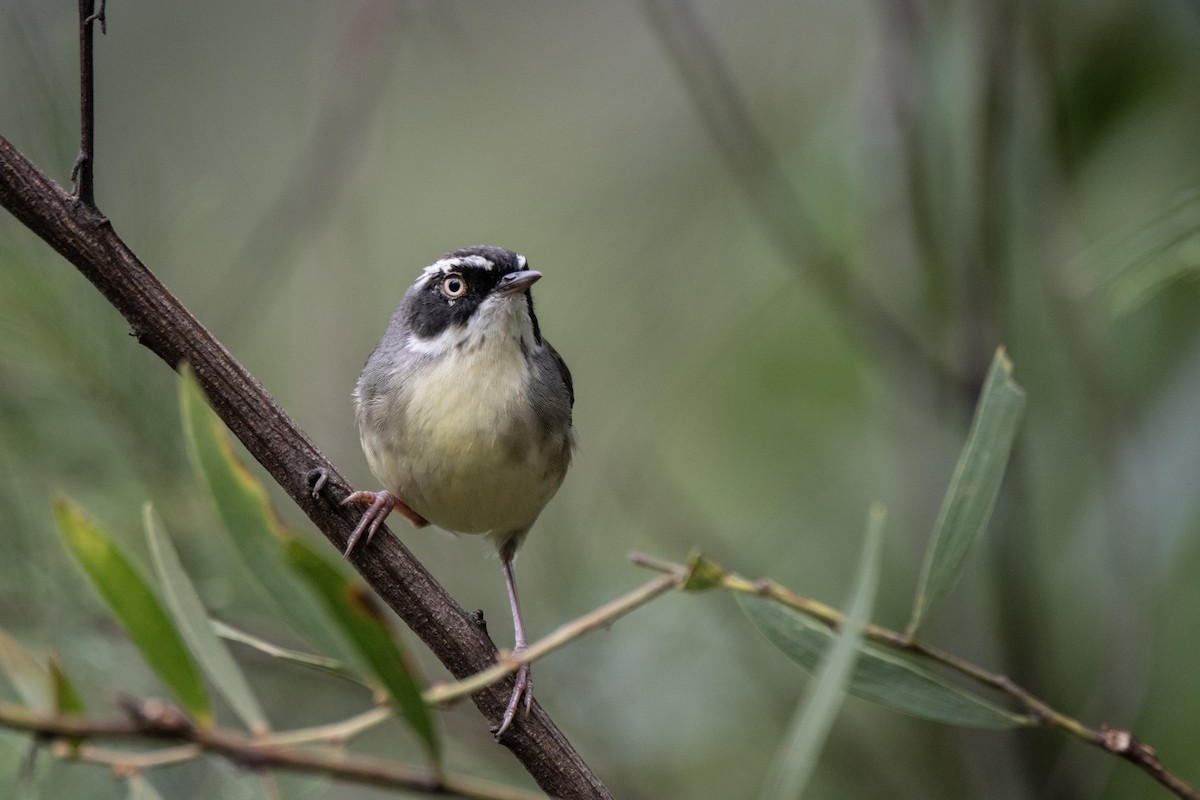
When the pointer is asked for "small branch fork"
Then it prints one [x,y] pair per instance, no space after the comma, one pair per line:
[154,719]
[1036,712]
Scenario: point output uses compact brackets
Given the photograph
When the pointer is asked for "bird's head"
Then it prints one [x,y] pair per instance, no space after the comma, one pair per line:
[469,296]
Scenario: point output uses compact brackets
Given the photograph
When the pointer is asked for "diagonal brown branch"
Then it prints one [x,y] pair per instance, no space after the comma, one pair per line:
[84,237]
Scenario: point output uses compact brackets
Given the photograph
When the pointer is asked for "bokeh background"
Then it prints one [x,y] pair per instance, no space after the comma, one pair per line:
[769,328]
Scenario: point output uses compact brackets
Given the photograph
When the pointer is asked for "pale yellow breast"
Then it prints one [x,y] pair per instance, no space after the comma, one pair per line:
[471,459]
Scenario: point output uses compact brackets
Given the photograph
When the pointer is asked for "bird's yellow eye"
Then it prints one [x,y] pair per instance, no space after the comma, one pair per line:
[454,286]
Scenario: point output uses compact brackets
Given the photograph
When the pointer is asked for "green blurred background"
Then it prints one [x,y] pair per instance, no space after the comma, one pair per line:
[985,173]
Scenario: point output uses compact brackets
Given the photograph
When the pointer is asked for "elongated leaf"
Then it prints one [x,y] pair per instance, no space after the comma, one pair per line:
[189,614]
[880,675]
[66,697]
[323,663]
[26,674]
[1137,265]
[354,609]
[255,530]
[793,765]
[974,487]
[136,607]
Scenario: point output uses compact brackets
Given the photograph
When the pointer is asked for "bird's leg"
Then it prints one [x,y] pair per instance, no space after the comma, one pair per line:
[523,685]
[380,505]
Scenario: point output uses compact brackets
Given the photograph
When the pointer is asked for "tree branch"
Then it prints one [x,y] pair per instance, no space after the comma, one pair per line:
[83,236]
[154,719]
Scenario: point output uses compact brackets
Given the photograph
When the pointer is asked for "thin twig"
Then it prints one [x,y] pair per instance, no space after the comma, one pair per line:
[156,720]
[123,762]
[82,172]
[602,617]
[1119,743]
[333,733]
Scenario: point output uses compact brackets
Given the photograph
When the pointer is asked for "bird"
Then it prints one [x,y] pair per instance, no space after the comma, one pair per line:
[464,413]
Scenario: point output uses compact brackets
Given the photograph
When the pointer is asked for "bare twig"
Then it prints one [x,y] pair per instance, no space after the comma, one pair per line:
[602,617]
[82,172]
[157,720]
[1037,712]
[85,238]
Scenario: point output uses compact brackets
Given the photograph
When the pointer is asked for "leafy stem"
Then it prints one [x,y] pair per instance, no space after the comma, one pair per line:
[1033,711]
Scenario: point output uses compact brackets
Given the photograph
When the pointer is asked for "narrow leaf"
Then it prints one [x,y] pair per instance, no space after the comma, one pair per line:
[28,677]
[1161,251]
[66,697]
[363,624]
[135,607]
[323,663]
[801,747]
[974,487]
[254,529]
[188,611]
[880,675]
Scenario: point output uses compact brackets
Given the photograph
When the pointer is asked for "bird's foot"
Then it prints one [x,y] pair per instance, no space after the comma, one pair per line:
[522,695]
[379,505]
[316,480]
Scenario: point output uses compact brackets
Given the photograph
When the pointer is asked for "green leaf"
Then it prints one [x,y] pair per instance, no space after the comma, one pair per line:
[974,487]
[793,764]
[330,665]
[880,675]
[26,674]
[255,530]
[136,607]
[188,611]
[702,573]
[66,697]
[1161,252]
[359,617]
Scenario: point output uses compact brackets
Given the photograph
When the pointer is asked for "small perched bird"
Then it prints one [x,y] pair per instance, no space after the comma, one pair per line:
[464,412]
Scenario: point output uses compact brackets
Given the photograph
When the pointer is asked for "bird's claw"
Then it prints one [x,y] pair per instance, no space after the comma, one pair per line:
[379,505]
[522,694]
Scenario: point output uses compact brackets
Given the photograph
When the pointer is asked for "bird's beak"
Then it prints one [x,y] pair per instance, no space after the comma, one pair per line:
[515,282]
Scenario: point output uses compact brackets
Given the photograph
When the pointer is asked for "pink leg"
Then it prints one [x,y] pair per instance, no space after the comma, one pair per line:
[380,505]
[523,686]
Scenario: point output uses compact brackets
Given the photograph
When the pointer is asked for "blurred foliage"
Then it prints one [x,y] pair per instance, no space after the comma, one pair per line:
[991,172]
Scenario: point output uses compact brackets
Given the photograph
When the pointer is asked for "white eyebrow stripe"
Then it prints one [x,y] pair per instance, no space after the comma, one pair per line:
[450,264]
